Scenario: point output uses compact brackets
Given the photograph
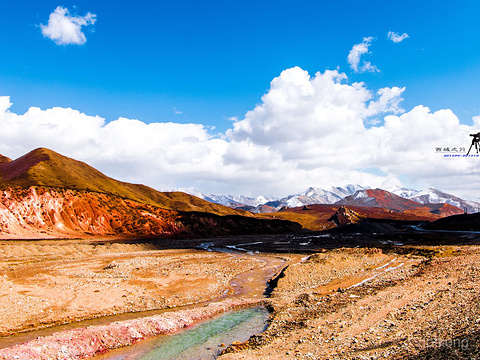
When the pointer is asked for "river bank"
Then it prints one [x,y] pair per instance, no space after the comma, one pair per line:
[47,283]
[87,342]
[377,298]
[425,305]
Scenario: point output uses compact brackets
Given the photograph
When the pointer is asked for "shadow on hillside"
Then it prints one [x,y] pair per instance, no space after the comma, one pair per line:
[402,236]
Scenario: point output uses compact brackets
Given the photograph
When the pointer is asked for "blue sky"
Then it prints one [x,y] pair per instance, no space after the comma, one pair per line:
[204,63]
[214,59]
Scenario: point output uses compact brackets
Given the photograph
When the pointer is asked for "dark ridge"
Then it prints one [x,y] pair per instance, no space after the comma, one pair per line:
[273,282]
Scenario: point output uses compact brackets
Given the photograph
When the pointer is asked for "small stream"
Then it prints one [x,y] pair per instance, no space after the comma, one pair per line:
[203,341]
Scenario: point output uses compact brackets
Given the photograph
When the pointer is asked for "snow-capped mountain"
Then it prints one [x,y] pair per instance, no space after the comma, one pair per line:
[432,195]
[235,200]
[335,195]
[312,195]
[229,200]
[317,196]
[435,196]
[403,192]
[379,198]
[342,192]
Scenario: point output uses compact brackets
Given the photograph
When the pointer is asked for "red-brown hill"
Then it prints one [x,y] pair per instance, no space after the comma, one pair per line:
[42,212]
[316,217]
[379,198]
[44,167]
[45,194]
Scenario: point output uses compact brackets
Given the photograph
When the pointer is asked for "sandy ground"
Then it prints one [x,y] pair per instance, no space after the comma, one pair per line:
[44,283]
[424,304]
[374,302]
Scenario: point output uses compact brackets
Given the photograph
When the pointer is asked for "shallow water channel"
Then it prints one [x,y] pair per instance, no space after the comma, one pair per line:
[202,341]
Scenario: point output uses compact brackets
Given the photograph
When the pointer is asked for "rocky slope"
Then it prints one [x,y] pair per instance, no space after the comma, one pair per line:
[46,168]
[44,194]
[40,212]
[345,216]
[46,212]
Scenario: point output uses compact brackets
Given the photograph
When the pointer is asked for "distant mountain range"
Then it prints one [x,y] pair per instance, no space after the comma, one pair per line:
[347,195]
[45,194]
[431,195]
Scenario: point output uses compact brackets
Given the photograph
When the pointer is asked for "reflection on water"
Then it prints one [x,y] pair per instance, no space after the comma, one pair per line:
[202,341]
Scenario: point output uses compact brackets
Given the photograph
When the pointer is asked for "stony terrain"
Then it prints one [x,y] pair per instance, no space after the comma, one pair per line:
[372,299]
[425,304]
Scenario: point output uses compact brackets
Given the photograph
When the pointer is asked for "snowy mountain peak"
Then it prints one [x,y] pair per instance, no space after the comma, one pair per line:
[436,196]
[403,192]
[359,194]
[346,190]
[261,200]
[335,194]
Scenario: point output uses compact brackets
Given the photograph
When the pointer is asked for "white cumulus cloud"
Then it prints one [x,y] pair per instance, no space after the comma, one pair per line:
[355,57]
[314,130]
[396,38]
[306,131]
[66,29]
[476,121]
[158,154]
[299,107]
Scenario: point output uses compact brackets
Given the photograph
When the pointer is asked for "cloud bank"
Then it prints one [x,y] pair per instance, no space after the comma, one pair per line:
[65,29]
[307,131]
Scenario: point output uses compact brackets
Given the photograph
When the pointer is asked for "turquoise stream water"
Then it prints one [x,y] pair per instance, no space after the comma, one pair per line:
[202,341]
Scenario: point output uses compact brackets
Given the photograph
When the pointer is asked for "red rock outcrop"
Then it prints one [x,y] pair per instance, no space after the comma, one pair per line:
[43,212]
[46,168]
[39,212]
[44,194]
[345,216]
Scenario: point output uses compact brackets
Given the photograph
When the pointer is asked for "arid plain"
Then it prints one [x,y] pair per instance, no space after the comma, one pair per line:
[356,302]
